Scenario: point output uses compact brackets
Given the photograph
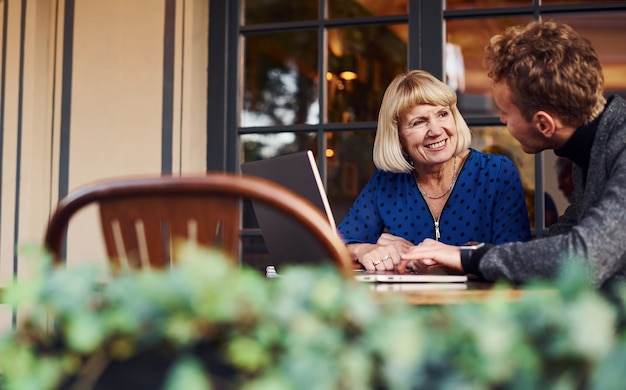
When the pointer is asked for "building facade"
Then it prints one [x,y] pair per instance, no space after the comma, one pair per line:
[98,89]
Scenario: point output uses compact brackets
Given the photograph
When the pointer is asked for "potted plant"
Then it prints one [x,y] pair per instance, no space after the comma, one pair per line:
[205,324]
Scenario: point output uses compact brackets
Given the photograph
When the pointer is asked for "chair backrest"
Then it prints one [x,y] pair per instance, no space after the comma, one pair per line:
[142,217]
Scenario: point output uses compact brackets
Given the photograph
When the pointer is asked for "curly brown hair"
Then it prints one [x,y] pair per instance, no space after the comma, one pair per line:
[548,66]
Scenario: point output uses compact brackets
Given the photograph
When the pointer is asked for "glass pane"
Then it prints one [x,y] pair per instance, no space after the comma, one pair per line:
[361,8]
[606,31]
[276,11]
[280,79]
[465,48]
[348,162]
[557,173]
[497,140]
[472,4]
[349,167]
[485,137]
[374,55]
[261,146]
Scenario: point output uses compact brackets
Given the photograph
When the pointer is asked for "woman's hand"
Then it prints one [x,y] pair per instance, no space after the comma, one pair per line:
[382,256]
[401,244]
[430,252]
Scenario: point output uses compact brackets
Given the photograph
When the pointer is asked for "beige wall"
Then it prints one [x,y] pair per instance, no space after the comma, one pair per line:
[116,108]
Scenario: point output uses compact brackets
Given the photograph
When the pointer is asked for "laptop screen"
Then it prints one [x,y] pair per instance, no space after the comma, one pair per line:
[287,242]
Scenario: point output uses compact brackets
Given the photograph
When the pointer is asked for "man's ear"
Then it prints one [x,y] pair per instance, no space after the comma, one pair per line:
[545,123]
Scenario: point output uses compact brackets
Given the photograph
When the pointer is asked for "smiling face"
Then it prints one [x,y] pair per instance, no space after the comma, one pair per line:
[428,134]
[530,138]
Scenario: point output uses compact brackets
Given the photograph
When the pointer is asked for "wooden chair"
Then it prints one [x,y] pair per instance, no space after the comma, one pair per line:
[141,217]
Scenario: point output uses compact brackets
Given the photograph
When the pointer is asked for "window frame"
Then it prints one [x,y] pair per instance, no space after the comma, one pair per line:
[425,18]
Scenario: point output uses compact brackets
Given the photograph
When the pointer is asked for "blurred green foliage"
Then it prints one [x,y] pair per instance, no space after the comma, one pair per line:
[218,326]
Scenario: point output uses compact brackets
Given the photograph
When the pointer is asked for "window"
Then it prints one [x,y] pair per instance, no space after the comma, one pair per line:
[470,24]
[296,75]
[312,76]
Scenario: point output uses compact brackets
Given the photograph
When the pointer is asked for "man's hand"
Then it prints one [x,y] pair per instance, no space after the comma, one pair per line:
[430,252]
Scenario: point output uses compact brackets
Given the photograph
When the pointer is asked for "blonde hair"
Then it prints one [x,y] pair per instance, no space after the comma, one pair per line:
[406,91]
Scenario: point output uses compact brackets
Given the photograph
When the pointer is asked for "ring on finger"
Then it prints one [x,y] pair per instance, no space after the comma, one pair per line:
[377,262]
[386,257]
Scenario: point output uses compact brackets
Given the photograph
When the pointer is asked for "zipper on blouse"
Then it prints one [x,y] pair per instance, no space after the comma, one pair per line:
[435,220]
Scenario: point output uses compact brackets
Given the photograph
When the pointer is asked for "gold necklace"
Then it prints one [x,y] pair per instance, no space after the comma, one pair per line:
[446,192]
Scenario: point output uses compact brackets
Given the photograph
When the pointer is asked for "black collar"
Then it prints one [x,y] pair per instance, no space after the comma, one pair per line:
[578,147]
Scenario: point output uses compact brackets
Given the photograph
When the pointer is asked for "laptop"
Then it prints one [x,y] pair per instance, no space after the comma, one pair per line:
[287,242]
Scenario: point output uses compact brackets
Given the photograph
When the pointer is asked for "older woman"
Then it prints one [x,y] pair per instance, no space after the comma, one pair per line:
[429,183]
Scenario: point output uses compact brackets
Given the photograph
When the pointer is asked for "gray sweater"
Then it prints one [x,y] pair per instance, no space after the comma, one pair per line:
[593,227]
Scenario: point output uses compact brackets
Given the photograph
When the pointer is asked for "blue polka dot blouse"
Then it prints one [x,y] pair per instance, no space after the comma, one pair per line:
[486,205]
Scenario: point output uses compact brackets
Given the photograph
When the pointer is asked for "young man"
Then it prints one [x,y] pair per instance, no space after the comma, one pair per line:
[548,84]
